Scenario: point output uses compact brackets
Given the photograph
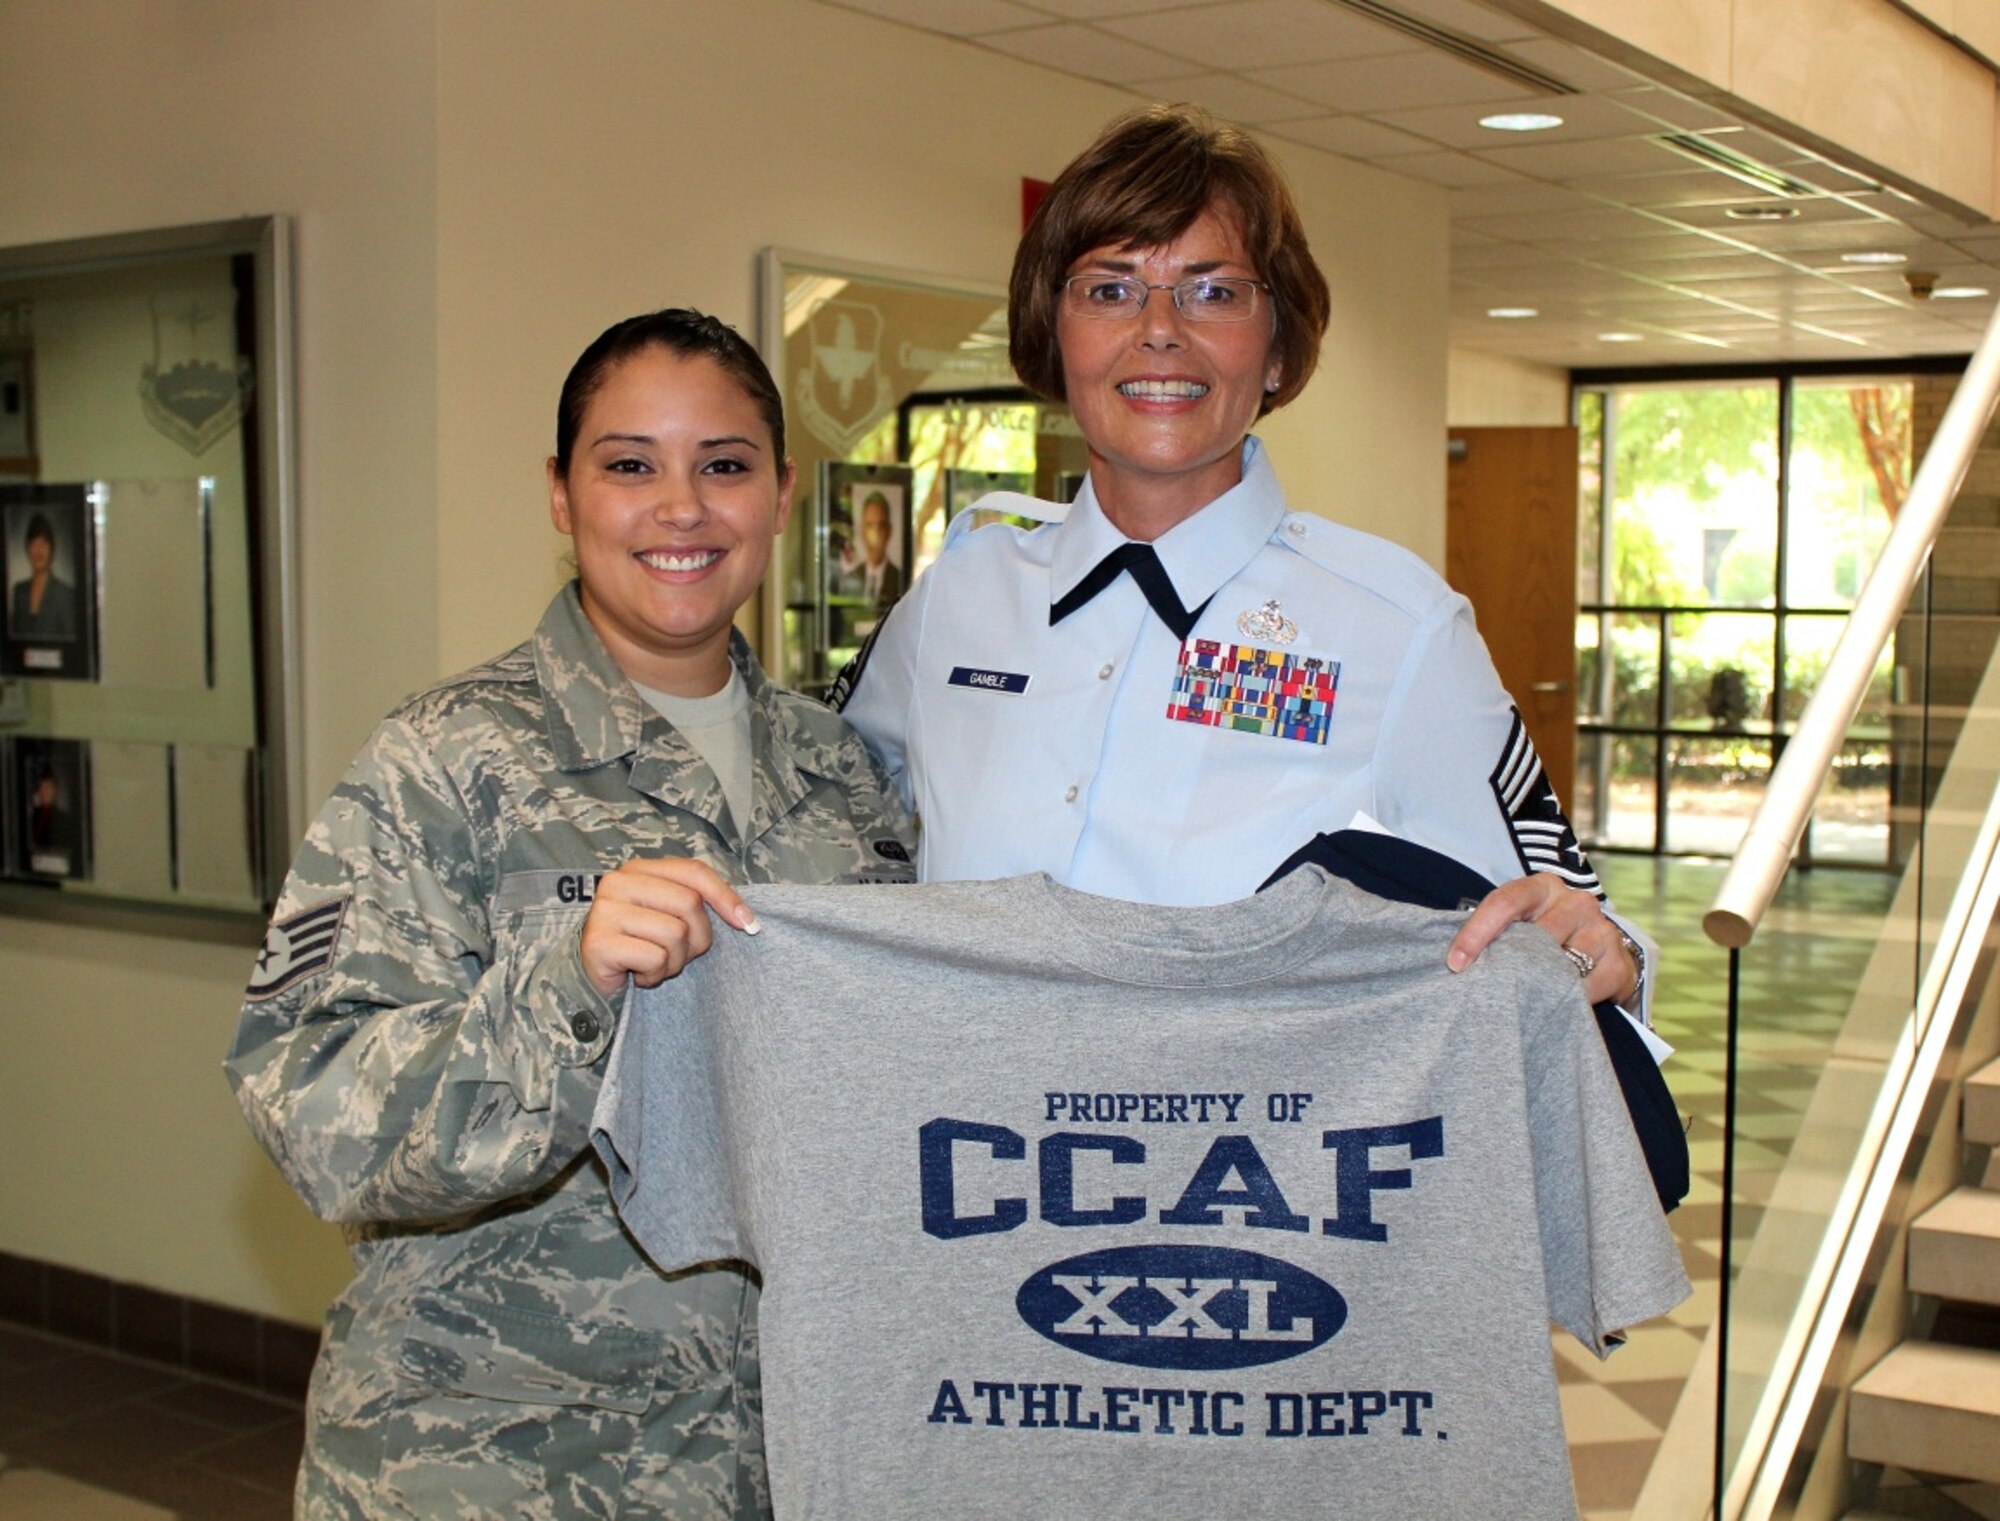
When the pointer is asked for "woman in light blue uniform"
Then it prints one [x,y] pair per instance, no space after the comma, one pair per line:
[1168,692]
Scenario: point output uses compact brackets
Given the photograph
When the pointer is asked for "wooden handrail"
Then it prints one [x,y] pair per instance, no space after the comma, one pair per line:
[1761,861]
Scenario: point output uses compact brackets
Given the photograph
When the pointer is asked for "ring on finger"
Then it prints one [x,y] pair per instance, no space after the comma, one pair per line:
[1583,961]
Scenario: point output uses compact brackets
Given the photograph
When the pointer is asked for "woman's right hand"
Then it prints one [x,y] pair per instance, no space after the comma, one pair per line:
[649,919]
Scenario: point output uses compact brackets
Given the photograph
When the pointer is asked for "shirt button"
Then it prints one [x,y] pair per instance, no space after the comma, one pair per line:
[1104,671]
[583,1026]
[1070,796]
[1296,530]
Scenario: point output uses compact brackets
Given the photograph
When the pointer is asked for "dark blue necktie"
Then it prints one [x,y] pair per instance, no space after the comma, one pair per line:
[1146,569]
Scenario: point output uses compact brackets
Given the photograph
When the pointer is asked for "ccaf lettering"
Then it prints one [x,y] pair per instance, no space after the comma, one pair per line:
[1232,1175]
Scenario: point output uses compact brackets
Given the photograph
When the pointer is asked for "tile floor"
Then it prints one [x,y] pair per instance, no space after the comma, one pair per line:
[87,1435]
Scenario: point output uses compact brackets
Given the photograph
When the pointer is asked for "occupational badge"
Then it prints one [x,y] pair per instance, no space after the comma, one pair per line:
[1267,624]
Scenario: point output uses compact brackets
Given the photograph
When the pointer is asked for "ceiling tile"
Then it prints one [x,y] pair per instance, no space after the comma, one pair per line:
[1393,80]
[1092,10]
[1257,34]
[1674,110]
[1568,161]
[1572,65]
[1086,51]
[1353,136]
[1230,97]
[1584,117]
[1448,169]
[1597,224]
[955,18]
[1522,195]
[1468,18]
[1687,187]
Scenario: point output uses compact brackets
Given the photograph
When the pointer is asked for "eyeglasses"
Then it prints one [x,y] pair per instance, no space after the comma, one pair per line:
[1201,298]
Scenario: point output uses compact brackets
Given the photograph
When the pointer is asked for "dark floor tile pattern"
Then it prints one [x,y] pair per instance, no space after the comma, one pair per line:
[198,1448]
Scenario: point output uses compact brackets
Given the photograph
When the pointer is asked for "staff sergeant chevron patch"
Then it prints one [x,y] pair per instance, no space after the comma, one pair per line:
[297,947]
[1542,836]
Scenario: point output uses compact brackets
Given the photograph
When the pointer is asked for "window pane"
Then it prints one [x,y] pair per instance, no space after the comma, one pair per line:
[1614,791]
[1809,643]
[1713,785]
[1722,671]
[1694,494]
[1850,822]
[1590,494]
[1635,668]
[1850,469]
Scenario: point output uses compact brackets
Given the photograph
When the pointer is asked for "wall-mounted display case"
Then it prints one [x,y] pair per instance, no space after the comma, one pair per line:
[149,715]
[900,403]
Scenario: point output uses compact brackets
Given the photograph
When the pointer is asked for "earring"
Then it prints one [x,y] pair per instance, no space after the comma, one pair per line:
[1271,387]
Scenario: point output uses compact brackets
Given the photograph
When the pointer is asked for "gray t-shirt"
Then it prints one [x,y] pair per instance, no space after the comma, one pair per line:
[1072,1205]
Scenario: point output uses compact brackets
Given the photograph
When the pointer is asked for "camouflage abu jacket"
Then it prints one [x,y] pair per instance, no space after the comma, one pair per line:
[419,1051]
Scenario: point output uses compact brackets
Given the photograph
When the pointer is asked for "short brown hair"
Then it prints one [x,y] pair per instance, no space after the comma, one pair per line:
[1147,179]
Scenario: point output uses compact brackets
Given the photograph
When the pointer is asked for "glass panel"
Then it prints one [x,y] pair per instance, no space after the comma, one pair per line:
[1849,471]
[145,546]
[1590,495]
[1713,784]
[1850,823]
[1722,671]
[1617,787]
[1635,669]
[1694,495]
[886,369]
[1809,642]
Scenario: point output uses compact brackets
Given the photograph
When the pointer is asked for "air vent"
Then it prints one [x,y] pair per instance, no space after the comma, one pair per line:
[1712,155]
[1469,49]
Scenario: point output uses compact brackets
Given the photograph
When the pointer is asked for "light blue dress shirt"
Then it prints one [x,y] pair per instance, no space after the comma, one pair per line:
[1030,748]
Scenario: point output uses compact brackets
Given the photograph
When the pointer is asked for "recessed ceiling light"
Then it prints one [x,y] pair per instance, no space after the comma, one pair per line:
[1957,292]
[1875,256]
[1620,337]
[1512,311]
[1761,213]
[1521,121]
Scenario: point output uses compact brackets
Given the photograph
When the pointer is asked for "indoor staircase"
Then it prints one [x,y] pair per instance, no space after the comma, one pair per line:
[1934,1406]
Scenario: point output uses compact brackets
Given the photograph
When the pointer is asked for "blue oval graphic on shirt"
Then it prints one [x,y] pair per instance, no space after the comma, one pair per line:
[1181,1307]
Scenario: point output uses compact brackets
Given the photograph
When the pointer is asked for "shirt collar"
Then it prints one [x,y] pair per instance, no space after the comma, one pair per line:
[1200,553]
[592,713]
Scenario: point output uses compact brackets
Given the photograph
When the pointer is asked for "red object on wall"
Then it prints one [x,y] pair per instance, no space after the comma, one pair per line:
[1032,192]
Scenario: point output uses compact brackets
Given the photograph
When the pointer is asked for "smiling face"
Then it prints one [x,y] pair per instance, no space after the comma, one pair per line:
[1164,403]
[672,498]
[41,553]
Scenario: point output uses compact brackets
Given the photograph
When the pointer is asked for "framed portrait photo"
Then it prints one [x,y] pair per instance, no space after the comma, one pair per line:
[48,576]
[867,539]
[49,806]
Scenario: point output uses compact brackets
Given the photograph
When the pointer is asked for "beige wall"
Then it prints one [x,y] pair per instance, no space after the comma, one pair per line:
[1862,80]
[1488,391]
[124,1154]
[554,221]
[478,190]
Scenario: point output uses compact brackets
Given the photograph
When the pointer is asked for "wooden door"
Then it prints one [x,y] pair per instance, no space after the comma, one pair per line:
[1510,548]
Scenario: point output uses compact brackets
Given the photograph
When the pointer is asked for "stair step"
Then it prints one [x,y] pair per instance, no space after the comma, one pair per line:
[1933,1409]
[1955,1247]
[1982,1105]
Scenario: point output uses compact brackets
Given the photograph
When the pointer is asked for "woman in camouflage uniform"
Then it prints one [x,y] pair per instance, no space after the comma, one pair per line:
[423,1035]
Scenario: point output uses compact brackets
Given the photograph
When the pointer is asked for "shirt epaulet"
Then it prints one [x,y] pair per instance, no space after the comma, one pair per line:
[1012,503]
[1367,562]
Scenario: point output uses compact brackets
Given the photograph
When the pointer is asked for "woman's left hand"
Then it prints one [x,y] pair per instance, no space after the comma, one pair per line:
[1571,917]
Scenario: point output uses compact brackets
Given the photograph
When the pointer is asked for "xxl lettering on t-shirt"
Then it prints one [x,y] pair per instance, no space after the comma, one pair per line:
[1169,1304]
